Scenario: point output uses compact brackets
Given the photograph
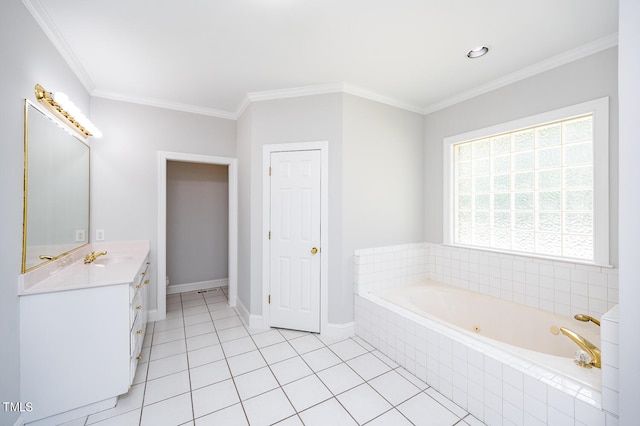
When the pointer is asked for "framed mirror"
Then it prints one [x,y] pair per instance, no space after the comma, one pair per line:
[56,189]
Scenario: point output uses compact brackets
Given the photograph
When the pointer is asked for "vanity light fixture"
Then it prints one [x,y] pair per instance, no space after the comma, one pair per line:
[477,52]
[59,104]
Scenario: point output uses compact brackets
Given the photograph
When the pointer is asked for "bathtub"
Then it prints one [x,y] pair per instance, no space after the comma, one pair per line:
[518,330]
[499,360]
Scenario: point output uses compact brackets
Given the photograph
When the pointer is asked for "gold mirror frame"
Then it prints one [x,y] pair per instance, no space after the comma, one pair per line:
[56,131]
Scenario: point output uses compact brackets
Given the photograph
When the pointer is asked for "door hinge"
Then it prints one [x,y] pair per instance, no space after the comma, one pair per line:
[269,235]
[269,170]
[269,299]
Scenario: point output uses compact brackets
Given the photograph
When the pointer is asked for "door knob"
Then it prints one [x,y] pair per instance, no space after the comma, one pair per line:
[314,250]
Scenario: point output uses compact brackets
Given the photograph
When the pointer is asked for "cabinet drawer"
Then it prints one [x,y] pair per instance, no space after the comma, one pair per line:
[137,336]
[136,307]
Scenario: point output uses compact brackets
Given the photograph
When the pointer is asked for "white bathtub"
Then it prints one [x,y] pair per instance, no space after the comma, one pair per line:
[516,329]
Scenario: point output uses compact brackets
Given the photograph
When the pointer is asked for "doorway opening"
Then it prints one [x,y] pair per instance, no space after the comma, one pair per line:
[163,163]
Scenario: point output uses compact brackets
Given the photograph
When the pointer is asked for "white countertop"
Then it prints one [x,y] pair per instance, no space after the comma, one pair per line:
[119,265]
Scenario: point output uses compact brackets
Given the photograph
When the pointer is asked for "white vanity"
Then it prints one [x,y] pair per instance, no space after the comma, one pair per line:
[81,330]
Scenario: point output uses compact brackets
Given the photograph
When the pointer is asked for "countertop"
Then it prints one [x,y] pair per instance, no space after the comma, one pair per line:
[119,265]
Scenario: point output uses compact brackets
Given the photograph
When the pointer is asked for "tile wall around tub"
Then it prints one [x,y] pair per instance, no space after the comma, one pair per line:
[562,287]
[494,388]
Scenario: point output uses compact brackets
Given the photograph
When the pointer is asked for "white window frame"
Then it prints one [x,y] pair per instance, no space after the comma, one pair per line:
[600,110]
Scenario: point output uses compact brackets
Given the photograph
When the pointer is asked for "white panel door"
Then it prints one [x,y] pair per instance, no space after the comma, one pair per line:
[295,240]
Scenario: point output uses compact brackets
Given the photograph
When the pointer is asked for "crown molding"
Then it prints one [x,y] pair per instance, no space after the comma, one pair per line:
[54,35]
[585,50]
[159,103]
[363,93]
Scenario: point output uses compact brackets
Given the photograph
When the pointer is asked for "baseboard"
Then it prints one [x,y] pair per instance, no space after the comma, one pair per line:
[153,315]
[252,321]
[202,285]
[339,330]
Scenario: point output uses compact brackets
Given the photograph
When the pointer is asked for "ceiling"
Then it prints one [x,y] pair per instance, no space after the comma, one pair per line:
[213,56]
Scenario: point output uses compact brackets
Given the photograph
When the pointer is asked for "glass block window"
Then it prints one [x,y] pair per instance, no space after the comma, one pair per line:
[531,190]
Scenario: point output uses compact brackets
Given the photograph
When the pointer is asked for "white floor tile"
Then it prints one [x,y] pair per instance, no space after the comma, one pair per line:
[340,378]
[424,410]
[448,404]
[267,338]
[393,387]
[130,401]
[192,303]
[244,363]
[232,416]
[255,382]
[166,387]
[218,306]
[145,353]
[170,412]
[368,366]
[224,323]
[205,355]
[191,295]
[363,403]
[278,352]
[238,346]
[214,397]
[290,421]
[390,418]
[268,408]
[131,418]
[201,309]
[328,412]
[271,371]
[292,334]
[347,349]
[165,366]
[382,357]
[413,379]
[202,341]
[209,374]
[168,324]
[306,392]
[197,319]
[232,333]
[164,350]
[306,343]
[198,329]
[167,336]
[141,373]
[320,359]
[289,370]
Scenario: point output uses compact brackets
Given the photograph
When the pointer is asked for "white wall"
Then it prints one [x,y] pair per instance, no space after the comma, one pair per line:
[124,164]
[311,118]
[589,78]
[629,86]
[27,58]
[244,135]
[383,181]
[197,222]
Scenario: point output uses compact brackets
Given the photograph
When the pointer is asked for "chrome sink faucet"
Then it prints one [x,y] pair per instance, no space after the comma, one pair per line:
[93,256]
[591,349]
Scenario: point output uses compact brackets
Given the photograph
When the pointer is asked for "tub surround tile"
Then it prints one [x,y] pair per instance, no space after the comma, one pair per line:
[491,385]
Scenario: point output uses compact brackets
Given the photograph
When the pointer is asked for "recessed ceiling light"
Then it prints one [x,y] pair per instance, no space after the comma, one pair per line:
[477,52]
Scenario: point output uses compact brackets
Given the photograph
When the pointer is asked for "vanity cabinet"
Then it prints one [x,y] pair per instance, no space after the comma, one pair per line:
[80,346]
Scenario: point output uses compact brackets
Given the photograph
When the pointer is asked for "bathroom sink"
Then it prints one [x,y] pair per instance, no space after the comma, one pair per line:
[109,260]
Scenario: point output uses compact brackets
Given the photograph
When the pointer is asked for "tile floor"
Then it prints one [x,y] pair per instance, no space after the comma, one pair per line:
[202,366]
